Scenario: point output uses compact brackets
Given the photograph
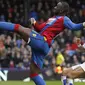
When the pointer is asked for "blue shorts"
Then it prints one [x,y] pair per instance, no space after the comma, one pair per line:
[39,48]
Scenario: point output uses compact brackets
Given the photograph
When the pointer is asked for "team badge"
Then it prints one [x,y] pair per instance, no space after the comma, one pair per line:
[34,35]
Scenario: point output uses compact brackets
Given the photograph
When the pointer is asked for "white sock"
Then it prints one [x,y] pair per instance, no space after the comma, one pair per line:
[69,81]
[63,80]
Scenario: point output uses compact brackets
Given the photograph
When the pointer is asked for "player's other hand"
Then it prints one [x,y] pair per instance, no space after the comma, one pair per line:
[33,21]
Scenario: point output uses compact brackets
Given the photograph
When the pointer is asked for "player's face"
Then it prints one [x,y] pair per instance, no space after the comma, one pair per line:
[58,8]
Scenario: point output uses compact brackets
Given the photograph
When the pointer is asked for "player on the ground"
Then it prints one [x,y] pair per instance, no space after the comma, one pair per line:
[76,71]
[41,40]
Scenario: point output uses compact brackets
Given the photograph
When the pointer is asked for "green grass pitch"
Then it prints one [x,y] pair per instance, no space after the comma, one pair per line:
[31,83]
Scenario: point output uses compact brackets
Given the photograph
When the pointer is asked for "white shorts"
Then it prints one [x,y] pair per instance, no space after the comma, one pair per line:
[81,65]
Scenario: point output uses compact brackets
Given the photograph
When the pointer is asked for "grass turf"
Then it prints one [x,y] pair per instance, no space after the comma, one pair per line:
[31,83]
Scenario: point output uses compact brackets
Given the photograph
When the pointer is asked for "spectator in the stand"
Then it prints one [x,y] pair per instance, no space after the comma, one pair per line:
[68,50]
[42,15]
[75,60]
[74,45]
[8,52]
[2,17]
[59,59]
[75,16]
[26,59]
[17,16]
[33,13]
[2,47]
[39,7]
[8,41]
[81,17]
[68,35]
[17,59]
[82,58]
[19,42]
[11,64]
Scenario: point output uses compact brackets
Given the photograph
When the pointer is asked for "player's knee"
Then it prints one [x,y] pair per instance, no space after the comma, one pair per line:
[65,71]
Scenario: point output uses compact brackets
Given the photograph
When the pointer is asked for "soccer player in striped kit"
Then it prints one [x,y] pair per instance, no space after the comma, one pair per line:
[41,39]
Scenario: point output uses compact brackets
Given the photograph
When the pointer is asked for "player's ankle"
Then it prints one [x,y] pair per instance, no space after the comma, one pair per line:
[70,81]
[33,75]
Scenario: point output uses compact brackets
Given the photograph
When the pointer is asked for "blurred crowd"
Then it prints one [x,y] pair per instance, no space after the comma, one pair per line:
[43,9]
[12,11]
[13,50]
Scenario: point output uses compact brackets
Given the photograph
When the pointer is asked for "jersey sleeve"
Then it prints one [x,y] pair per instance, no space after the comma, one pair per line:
[72,26]
[38,27]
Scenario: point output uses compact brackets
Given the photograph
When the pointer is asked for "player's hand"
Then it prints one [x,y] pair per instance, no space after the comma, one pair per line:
[33,21]
[84,24]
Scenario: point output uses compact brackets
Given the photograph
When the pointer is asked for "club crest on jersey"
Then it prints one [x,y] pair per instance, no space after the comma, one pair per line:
[50,21]
[34,35]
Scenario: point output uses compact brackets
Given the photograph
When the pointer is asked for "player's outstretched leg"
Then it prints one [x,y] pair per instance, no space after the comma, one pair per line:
[65,79]
[22,31]
[34,75]
[75,71]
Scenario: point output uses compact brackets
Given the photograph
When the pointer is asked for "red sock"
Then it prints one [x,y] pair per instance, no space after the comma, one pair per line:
[33,75]
[16,28]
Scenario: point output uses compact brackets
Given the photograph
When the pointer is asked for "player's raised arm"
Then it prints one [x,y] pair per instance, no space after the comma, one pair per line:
[72,26]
